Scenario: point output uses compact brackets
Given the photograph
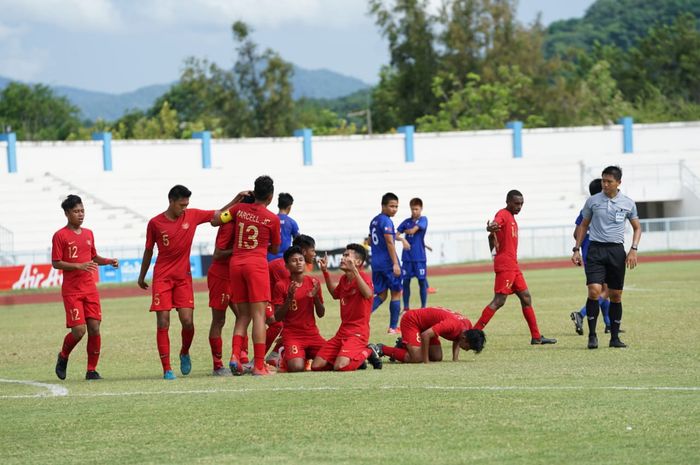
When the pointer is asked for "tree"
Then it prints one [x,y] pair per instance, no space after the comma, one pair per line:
[264,85]
[35,113]
[413,64]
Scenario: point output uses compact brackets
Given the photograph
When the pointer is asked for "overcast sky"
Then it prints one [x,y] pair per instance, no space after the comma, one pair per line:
[121,45]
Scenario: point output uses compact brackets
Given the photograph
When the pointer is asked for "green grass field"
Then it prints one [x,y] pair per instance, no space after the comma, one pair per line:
[512,404]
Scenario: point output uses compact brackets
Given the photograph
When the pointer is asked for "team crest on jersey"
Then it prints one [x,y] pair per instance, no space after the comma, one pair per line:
[89,242]
[185,225]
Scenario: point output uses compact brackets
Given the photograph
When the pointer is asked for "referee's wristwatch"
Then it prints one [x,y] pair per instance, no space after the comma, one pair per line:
[576,249]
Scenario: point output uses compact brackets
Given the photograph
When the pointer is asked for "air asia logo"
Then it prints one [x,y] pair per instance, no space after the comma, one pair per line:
[38,276]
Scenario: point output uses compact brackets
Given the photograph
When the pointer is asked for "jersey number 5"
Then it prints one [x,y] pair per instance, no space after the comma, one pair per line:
[251,241]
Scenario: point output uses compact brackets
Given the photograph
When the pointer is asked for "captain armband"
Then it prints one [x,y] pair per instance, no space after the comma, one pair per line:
[226,217]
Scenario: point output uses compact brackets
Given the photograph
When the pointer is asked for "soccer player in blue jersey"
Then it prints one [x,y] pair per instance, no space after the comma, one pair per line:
[289,229]
[386,269]
[594,187]
[413,259]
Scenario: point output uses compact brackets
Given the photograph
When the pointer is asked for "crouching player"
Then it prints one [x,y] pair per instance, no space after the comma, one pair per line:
[295,300]
[421,330]
[348,349]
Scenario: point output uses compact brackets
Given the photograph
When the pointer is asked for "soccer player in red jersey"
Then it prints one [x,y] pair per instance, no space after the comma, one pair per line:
[278,271]
[173,232]
[348,349]
[256,232]
[421,330]
[295,300]
[73,252]
[503,237]
[219,286]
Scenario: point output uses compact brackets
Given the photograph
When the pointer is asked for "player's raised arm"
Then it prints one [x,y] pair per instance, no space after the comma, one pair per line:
[323,264]
[222,215]
[362,286]
[318,303]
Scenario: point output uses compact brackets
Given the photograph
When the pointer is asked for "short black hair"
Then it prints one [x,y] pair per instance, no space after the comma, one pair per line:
[70,202]
[293,250]
[615,171]
[359,250]
[595,186]
[178,192]
[264,187]
[476,339]
[388,197]
[416,201]
[304,242]
[284,200]
[513,193]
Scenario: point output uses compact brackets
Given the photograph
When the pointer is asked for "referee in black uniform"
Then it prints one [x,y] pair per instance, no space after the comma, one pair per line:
[604,216]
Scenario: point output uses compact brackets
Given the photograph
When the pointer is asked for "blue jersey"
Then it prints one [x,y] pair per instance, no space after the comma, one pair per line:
[381,225]
[288,231]
[586,240]
[417,240]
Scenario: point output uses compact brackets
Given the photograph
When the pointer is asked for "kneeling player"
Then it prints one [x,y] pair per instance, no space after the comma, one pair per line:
[421,330]
[295,300]
[348,350]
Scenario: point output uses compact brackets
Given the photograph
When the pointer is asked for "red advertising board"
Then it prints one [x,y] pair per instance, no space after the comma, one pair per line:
[30,277]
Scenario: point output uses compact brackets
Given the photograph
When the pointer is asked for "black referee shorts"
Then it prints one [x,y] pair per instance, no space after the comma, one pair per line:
[605,263]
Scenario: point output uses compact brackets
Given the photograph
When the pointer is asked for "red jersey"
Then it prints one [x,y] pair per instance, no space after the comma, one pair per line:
[278,272]
[507,242]
[300,317]
[355,310]
[255,228]
[75,247]
[224,241]
[174,239]
[444,323]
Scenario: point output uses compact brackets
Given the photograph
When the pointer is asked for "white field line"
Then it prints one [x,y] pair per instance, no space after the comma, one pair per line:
[52,390]
[59,391]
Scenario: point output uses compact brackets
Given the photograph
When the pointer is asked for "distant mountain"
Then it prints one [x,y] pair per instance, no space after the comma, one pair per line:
[317,84]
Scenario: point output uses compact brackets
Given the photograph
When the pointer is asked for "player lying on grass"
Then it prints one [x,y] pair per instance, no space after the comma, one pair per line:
[296,299]
[421,330]
[73,252]
[348,349]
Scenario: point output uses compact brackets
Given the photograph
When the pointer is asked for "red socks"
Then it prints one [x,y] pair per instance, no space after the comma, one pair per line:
[399,355]
[259,356]
[216,348]
[531,319]
[187,336]
[93,351]
[68,343]
[163,341]
[486,316]
[237,345]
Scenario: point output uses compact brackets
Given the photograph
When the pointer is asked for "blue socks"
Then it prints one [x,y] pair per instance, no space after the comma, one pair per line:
[376,303]
[394,311]
[423,286]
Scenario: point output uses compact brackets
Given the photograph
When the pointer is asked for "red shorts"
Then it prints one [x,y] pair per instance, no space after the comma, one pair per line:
[219,292]
[81,307]
[508,282]
[171,293]
[352,347]
[298,345]
[410,332]
[250,282]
